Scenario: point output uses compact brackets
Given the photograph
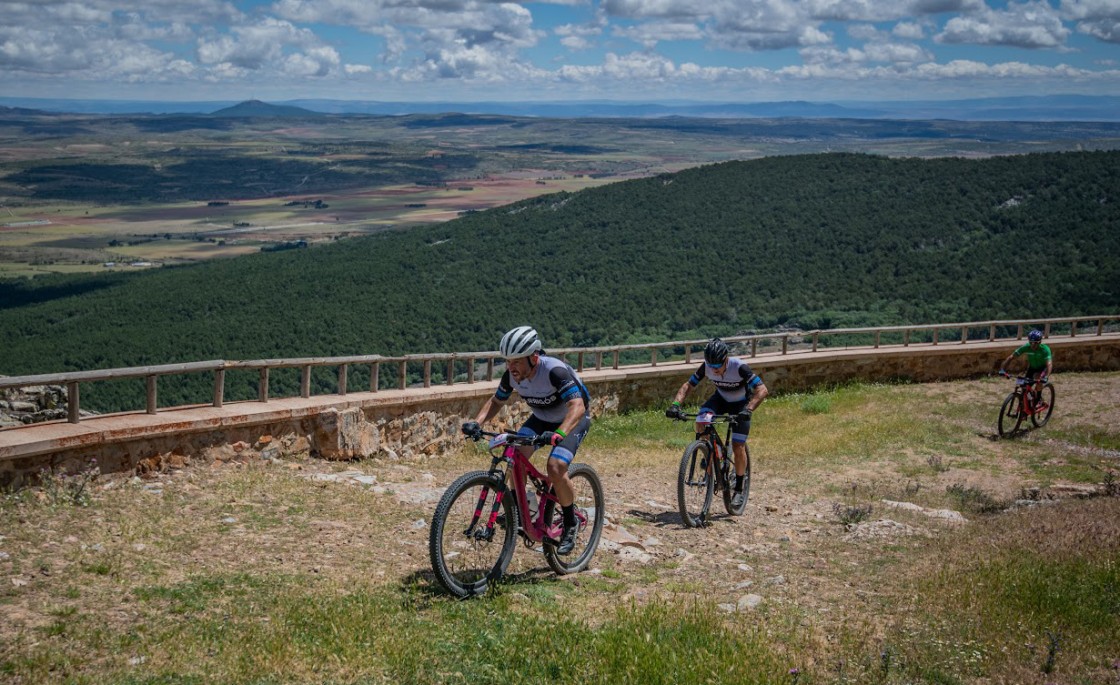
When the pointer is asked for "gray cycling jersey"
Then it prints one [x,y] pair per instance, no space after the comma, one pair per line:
[548,392]
[735,385]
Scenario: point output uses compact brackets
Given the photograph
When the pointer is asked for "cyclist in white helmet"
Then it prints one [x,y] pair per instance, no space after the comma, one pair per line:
[560,409]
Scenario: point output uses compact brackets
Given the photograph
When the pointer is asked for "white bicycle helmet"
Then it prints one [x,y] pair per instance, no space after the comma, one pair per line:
[520,342]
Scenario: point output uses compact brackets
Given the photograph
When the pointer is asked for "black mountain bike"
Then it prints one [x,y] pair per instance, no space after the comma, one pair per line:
[708,465]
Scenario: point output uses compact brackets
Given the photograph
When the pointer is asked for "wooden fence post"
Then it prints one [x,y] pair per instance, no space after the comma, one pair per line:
[219,387]
[262,386]
[73,402]
[305,381]
[152,403]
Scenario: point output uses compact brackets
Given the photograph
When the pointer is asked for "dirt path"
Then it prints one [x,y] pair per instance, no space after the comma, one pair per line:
[368,521]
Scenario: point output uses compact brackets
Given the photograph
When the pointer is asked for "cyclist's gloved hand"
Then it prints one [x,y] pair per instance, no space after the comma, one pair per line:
[674,411]
[745,413]
[472,430]
[549,438]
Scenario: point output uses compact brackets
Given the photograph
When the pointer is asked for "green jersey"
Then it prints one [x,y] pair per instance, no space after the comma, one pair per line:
[1036,359]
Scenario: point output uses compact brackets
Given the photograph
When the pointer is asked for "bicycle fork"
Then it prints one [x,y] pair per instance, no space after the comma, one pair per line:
[485,533]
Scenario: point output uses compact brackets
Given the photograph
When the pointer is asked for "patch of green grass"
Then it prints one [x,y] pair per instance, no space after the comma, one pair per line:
[1022,596]
[1098,438]
[195,595]
[816,404]
[633,429]
[289,630]
[973,499]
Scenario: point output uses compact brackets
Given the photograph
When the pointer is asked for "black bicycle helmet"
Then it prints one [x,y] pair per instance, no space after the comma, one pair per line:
[715,352]
[1035,336]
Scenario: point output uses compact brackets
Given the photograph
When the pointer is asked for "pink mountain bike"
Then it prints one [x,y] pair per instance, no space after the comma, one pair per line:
[477,521]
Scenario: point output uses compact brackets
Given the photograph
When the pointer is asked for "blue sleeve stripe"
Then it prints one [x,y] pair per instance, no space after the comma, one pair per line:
[570,393]
[754,382]
[693,380]
[503,395]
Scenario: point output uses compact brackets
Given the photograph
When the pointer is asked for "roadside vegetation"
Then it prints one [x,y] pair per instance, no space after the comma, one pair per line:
[824,241]
[256,571]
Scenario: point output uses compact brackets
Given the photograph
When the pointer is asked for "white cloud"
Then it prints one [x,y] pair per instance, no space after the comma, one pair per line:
[880,10]
[909,30]
[254,46]
[310,44]
[652,33]
[1097,18]
[1028,25]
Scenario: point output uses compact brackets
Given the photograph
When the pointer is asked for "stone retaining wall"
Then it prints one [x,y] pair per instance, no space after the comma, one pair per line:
[418,422]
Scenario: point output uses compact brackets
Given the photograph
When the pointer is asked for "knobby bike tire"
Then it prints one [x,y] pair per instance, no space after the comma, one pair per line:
[589,502]
[1045,399]
[729,490]
[695,484]
[465,565]
[1010,415]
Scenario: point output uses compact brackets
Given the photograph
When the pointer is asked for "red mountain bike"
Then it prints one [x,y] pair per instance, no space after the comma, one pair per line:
[1023,402]
[472,538]
[708,465]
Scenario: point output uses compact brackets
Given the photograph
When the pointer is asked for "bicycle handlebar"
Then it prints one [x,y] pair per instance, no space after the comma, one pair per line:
[512,438]
[1025,379]
[682,416]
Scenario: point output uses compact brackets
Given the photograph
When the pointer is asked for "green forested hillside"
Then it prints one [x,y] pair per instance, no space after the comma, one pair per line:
[819,240]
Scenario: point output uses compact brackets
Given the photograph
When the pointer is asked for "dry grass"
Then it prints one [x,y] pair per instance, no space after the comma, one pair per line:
[263,572]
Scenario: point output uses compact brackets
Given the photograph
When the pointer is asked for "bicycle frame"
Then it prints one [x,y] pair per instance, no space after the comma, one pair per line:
[522,470]
[720,445]
[1023,387]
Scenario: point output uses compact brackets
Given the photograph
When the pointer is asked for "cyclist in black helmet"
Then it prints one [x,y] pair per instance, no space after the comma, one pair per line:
[561,412]
[738,391]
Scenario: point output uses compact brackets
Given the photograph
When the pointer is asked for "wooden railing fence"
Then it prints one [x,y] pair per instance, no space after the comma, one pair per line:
[582,358]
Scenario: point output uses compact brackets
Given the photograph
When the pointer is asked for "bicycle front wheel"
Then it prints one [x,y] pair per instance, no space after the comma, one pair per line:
[729,491]
[468,556]
[695,484]
[1043,407]
[589,509]
[1010,415]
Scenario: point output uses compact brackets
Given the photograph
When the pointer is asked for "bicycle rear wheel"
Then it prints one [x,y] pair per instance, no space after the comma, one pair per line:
[589,508]
[729,491]
[1010,415]
[695,484]
[467,558]
[1044,406]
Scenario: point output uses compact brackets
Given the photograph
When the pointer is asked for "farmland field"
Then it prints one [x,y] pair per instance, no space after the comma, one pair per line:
[90,193]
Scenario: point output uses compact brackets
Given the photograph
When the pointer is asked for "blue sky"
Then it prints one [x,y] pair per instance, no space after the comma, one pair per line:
[639,50]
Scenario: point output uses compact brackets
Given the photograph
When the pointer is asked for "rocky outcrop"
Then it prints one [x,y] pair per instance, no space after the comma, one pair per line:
[32,404]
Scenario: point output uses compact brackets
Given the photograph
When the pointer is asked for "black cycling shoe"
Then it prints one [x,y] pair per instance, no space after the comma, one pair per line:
[568,540]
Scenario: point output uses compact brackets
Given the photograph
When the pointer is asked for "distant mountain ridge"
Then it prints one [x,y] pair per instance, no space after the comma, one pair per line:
[256,108]
[1024,108]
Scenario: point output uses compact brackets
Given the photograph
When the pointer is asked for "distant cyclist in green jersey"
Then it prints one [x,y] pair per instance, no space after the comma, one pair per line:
[1040,362]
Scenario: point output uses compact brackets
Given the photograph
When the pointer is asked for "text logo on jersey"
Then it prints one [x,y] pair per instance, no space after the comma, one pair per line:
[542,401]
